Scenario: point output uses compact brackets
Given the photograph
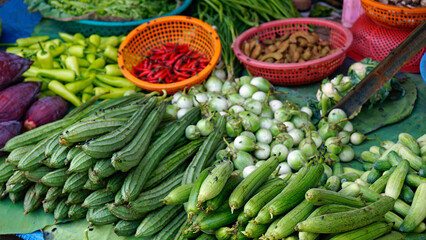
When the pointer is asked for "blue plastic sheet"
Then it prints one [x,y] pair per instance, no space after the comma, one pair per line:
[17,21]
[31,236]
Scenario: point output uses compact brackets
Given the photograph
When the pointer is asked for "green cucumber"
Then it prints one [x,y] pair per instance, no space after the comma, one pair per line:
[391,217]
[396,180]
[72,153]
[17,196]
[157,220]
[114,183]
[31,203]
[172,228]
[56,178]
[81,162]
[172,161]
[106,145]
[49,206]
[206,151]
[59,157]
[254,230]
[414,180]
[205,236]
[349,220]
[126,228]
[32,159]
[53,193]
[76,212]
[367,166]
[337,169]
[52,145]
[101,216]
[372,231]
[383,165]
[89,185]
[369,157]
[15,156]
[178,195]
[224,233]
[292,194]
[16,177]
[151,199]
[410,142]
[248,186]
[98,198]
[379,185]
[61,210]
[124,212]
[286,225]
[319,197]
[333,183]
[131,154]
[329,208]
[6,170]
[137,178]
[40,190]
[373,175]
[75,182]
[417,212]
[406,194]
[77,197]
[84,130]
[416,162]
[348,176]
[242,219]
[103,168]
[253,206]
[218,219]
[214,203]
[215,181]
[36,174]
[192,207]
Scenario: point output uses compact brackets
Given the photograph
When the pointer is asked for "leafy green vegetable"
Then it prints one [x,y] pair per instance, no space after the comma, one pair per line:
[320,11]
[105,10]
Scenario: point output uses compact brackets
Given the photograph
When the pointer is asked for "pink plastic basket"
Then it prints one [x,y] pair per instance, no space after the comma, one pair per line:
[287,74]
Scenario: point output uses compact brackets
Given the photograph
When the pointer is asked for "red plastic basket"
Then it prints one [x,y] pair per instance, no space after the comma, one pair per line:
[288,74]
[377,41]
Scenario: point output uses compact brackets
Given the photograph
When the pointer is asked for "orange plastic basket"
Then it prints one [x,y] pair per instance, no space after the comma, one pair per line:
[401,17]
[288,74]
[197,34]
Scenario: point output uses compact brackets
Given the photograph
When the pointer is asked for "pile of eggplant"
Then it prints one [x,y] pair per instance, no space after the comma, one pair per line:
[20,108]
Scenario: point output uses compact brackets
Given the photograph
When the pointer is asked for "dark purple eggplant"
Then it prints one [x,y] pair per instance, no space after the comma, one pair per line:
[45,110]
[8,130]
[11,68]
[15,100]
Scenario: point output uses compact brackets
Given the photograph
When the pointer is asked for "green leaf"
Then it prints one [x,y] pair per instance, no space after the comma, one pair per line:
[388,112]
[13,221]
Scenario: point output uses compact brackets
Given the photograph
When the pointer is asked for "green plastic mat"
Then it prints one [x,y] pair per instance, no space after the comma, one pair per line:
[414,124]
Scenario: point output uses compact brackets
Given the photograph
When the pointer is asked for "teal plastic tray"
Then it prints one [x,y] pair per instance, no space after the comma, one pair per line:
[88,27]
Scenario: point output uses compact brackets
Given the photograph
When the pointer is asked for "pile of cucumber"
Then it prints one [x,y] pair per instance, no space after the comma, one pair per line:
[386,201]
[225,160]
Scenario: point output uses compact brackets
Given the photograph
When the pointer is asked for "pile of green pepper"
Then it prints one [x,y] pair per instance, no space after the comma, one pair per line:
[75,67]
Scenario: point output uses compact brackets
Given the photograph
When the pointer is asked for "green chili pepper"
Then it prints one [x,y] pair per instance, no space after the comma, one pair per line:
[66,37]
[31,72]
[111,41]
[36,79]
[98,83]
[106,93]
[116,81]
[95,39]
[44,58]
[56,65]
[83,62]
[16,50]
[77,86]
[113,70]
[57,50]
[24,42]
[80,39]
[98,63]
[111,53]
[64,75]
[87,93]
[76,50]
[91,57]
[71,62]
[60,90]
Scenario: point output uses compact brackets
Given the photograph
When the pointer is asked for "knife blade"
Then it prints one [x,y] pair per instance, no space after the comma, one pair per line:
[384,71]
